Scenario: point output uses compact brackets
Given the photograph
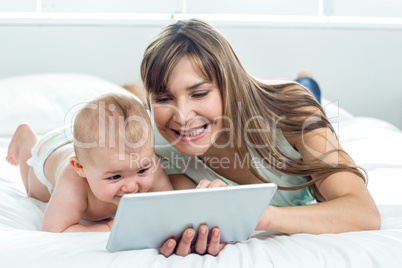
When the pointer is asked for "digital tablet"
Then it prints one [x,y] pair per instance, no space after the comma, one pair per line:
[147,220]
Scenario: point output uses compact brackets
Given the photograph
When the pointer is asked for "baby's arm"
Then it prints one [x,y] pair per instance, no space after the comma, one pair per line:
[181,181]
[66,207]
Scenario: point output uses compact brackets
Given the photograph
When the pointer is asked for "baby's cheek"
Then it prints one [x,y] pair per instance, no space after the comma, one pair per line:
[149,183]
[111,192]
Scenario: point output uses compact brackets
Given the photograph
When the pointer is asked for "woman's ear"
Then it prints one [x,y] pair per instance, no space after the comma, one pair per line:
[77,166]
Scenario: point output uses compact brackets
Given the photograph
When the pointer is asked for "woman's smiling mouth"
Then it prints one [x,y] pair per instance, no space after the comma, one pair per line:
[191,135]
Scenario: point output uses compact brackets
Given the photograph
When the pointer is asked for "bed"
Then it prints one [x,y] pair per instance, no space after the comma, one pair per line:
[47,101]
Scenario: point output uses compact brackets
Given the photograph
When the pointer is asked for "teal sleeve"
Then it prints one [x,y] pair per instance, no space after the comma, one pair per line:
[169,167]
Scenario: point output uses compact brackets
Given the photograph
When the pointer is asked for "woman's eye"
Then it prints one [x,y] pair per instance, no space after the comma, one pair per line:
[142,171]
[115,177]
[201,94]
[162,99]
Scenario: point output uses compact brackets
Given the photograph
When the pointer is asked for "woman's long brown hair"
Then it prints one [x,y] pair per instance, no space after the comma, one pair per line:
[286,106]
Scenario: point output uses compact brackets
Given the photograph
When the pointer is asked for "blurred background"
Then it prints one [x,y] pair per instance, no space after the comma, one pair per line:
[353,47]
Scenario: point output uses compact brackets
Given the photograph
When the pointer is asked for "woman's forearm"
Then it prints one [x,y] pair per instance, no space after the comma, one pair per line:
[344,214]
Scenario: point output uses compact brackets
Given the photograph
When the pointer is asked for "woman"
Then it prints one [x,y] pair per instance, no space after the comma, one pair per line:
[224,123]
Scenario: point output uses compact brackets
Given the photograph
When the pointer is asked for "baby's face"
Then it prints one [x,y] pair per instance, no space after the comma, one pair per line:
[114,174]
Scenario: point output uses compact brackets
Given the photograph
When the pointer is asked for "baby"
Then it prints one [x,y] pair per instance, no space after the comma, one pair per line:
[111,155]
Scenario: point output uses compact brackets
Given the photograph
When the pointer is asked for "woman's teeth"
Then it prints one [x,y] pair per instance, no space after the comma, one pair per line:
[193,133]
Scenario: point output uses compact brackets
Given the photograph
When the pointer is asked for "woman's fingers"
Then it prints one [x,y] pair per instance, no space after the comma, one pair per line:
[202,239]
[211,184]
[167,248]
[184,246]
[215,246]
[203,184]
[201,246]
[217,183]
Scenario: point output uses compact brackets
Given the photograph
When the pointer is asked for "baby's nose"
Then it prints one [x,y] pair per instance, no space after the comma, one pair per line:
[130,186]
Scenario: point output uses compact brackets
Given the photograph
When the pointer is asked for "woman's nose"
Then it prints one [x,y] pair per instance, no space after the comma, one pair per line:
[184,112]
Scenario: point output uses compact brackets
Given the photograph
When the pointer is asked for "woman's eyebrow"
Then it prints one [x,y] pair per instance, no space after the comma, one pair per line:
[190,87]
[196,85]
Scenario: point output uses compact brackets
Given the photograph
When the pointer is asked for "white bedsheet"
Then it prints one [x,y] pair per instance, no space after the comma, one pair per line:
[375,145]
[23,245]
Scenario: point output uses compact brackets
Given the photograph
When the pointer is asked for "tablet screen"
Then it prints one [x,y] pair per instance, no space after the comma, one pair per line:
[147,220]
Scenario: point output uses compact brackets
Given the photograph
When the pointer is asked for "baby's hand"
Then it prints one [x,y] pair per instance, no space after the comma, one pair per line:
[110,224]
[211,184]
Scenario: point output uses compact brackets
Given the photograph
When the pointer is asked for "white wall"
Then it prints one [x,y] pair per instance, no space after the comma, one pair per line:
[360,67]
[359,64]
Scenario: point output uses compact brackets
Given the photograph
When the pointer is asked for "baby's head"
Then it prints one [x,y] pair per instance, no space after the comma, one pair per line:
[114,123]
[113,143]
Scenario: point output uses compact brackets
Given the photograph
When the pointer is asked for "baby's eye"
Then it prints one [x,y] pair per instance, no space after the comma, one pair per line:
[142,171]
[115,177]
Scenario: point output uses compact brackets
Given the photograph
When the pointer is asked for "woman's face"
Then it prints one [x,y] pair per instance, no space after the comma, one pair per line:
[189,113]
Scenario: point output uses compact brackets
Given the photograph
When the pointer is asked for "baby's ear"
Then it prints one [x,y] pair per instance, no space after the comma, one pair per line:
[77,166]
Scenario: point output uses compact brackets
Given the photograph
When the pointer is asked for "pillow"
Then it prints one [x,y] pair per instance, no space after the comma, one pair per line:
[46,101]
[335,113]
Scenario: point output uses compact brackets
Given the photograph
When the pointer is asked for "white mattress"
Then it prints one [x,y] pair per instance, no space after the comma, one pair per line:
[375,145]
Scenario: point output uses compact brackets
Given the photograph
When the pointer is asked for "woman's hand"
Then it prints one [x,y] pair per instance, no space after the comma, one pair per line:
[201,246]
[211,184]
[265,221]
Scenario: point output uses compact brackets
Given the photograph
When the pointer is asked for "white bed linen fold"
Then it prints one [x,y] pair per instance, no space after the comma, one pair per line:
[23,245]
[374,145]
